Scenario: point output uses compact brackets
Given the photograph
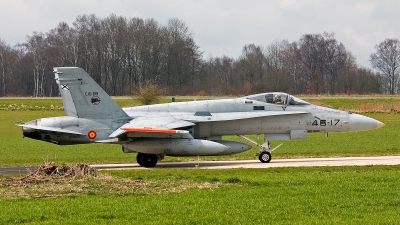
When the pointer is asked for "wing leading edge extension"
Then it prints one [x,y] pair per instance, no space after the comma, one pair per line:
[215,117]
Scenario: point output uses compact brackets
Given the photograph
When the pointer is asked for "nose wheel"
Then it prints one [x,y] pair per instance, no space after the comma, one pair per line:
[265,153]
[264,156]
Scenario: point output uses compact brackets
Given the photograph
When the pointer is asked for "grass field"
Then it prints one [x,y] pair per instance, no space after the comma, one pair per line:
[325,195]
[319,195]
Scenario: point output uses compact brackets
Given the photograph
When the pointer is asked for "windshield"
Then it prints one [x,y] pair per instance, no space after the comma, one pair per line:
[278,98]
[296,101]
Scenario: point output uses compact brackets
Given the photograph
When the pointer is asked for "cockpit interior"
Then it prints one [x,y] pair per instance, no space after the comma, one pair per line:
[278,98]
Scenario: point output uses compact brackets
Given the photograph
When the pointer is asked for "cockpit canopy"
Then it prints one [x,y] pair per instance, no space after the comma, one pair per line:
[278,98]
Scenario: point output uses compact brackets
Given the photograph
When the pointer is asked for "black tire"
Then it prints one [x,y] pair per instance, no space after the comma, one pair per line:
[265,157]
[149,160]
[139,158]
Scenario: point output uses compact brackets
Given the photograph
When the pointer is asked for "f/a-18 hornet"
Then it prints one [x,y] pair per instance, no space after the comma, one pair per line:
[184,128]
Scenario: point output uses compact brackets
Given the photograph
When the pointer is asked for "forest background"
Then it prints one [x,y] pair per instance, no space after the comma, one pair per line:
[122,54]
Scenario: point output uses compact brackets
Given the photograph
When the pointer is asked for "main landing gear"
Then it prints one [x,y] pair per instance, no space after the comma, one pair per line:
[147,160]
[265,152]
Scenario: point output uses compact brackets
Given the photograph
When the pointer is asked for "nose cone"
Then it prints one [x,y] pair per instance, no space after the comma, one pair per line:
[359,123]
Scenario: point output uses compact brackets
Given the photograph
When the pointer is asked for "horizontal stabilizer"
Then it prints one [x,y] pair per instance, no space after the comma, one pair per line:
[54,129]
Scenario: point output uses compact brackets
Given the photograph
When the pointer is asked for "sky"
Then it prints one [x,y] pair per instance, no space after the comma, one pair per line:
[223,27]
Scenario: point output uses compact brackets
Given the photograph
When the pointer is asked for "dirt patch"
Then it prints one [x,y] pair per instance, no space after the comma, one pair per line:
[51,172]
[52,181]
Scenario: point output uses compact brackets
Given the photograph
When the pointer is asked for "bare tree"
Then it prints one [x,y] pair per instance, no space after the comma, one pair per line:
[334,51]
[6,62]
[312,57]
[115,40]
[387,60]
[367,81]
[182,54]
[283,62]
[91,45]
[120,54]
[216,77]
[63,42]
[347,75]
[37,46]
[251,68]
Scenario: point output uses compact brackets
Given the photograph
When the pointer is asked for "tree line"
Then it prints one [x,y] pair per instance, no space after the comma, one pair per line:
[122,54]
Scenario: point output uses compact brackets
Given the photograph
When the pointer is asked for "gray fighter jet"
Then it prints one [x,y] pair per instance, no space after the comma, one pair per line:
[183,128]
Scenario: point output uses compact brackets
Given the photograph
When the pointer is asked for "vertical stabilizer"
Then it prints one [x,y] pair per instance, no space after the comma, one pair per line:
[82,97]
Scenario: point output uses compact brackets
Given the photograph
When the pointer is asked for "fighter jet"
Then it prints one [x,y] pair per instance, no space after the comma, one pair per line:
[191,128]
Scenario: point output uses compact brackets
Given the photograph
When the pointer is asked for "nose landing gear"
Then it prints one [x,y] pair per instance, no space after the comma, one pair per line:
[265,152]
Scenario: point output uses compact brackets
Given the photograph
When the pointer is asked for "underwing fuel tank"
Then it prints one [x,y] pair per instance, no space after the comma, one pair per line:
[183,147]
[233,147]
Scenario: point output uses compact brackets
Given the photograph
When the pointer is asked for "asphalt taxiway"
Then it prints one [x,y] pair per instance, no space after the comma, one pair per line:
[301,162]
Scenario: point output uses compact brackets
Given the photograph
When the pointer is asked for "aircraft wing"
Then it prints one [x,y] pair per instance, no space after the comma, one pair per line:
[154,127]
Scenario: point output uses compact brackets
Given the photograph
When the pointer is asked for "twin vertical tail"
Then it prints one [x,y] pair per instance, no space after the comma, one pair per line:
[83,98]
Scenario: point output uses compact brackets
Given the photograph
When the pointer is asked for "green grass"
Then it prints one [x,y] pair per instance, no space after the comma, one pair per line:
[319,195]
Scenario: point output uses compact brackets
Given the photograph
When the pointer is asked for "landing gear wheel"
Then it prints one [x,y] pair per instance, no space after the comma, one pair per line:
[265,157]
[139,159]
[146,160]
[149,160]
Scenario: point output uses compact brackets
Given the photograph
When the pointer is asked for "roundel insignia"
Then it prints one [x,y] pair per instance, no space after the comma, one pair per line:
[92,134]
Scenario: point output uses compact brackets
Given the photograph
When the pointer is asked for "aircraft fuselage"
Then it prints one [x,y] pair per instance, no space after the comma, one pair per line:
[183,128]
